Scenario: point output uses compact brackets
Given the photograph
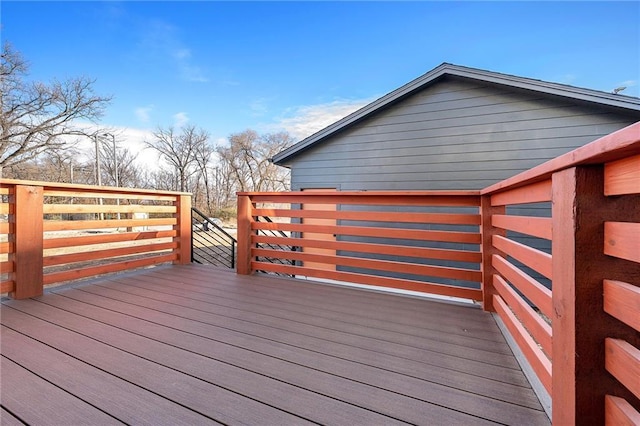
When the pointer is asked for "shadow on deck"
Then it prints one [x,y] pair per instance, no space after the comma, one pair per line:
[197,344]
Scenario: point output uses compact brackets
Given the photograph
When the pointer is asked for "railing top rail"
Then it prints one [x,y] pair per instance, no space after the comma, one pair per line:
[617,145]
[91,188]
[295,194]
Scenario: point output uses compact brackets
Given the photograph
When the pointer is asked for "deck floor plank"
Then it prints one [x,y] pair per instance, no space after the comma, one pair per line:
[414,330]
[39,401]
[123,400]
[8,419]
[263,350]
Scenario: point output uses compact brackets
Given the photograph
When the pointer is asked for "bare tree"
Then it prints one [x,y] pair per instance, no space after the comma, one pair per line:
[179,149]
[247,158]
[35,115]
[128,172]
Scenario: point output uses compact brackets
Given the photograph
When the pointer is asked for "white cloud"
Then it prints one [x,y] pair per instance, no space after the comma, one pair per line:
[303,121]
[142,113]
[180,119]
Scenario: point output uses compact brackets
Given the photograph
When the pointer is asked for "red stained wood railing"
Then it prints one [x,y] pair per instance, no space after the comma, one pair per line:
[52,233]
[377,238]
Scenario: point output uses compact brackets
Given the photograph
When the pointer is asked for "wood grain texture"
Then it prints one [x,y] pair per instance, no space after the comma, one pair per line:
[7,286]
[388,249]
[618,412]
[183,228]
[622,176]
[535,226]
[105,208]
[374,216]
[622,360]
[532,321]
[88,240]
[538,294]
[86,255]
[74,274]
[28,242]
[244,234]
[535,259]
[538,360]
[366,231]
[535,193]
[67,225]
[283,347]
[622,301]
[622,239]
[379,265]
[373,280]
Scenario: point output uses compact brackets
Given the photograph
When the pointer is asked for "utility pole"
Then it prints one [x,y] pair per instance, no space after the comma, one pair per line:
[115,165]
[98,171]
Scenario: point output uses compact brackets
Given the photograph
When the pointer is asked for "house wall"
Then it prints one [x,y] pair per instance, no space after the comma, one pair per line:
[455,134]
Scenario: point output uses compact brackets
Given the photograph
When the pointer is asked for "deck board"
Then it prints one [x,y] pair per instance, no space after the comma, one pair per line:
[262,350]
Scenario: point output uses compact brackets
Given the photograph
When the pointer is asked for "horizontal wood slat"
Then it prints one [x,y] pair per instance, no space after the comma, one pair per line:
[532,321]
[622,239]
[387,249]
[109,195]
[105,208]
[538,294]
[622,360]
[370,216]
[535,259]
[7,267]
[106,269]
[618,412]
[622,301]
[537,359]
[4,208]
[352,277]
[535,226]
[7,286]
[5,190]
[106,254]
[380,265]
[534,193]
[106,238]
[365,231]
[4,227]
[7,247]
[622,176]
[65,225]
[390,198]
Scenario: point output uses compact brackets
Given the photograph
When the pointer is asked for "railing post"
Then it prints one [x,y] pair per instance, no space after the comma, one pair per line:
[184,230]
[488,231]
[243,262]
[28,262]
[580,325]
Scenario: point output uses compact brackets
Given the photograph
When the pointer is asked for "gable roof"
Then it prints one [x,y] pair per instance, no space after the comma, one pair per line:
[577,93]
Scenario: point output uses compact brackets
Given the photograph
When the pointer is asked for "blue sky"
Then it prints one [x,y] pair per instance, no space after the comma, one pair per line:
[298,66]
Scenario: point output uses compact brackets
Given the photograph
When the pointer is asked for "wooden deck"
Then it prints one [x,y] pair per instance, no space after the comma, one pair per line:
[196,344]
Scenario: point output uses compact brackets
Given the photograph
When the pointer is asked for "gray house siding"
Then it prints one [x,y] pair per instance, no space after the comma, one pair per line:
[454,134]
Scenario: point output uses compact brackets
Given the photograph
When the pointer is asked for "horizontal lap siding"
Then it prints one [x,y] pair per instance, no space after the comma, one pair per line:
[456,134]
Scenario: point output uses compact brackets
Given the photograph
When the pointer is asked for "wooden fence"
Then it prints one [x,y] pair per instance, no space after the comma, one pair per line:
[566,284]
[51,233]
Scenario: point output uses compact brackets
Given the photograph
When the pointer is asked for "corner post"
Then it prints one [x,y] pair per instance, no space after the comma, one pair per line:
[243,262]
[28,258]
[184,230]
[580,324]
[488,231]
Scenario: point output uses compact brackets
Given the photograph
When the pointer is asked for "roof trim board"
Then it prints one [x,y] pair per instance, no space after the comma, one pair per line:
[556,89]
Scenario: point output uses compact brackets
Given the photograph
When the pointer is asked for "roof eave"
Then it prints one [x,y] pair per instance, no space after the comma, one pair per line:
[577,93]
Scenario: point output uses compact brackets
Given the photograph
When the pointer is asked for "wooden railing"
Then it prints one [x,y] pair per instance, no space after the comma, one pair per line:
[51,233]
[390,239]
[582,338]
[556,250]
